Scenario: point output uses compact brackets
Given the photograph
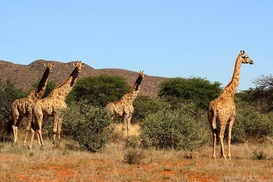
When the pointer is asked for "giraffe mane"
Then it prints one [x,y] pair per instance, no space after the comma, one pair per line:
[138,82]
[42,82]
[74,75]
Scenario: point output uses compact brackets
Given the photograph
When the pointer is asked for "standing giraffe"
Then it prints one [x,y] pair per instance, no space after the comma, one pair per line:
[124,107]
[222,109]
[54,106]
[23,107]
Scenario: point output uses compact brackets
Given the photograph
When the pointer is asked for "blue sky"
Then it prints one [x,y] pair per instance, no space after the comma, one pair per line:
[171,38]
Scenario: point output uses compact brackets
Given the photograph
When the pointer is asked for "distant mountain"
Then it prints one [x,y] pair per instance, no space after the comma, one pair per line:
[24,76]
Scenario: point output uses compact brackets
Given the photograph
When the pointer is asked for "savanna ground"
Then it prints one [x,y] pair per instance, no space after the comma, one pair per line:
[250,162]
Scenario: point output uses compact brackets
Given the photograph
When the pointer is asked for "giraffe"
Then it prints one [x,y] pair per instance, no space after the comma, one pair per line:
[54,106]
[23,107]
[124,107]
[222,109]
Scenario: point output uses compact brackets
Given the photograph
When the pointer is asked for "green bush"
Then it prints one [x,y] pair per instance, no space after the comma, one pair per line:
[88,125]
[145,105]
[181,129]
[251,124]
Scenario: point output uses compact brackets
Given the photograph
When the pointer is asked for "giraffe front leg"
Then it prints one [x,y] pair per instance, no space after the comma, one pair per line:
[57,129]
[29,120]
[40,138]
[36,128]
[55,124]
[31,139]
[126,122]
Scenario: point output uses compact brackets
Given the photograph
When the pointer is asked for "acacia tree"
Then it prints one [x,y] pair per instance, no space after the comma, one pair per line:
[99,90]
[195,89]
[261,96]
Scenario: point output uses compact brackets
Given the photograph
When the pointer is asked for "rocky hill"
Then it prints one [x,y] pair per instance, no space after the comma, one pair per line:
[24,76]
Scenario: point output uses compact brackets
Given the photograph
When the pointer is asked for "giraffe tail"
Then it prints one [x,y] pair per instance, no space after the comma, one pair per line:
[214,125]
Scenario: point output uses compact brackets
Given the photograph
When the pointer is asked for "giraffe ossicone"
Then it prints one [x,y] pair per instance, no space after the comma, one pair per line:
[222,109]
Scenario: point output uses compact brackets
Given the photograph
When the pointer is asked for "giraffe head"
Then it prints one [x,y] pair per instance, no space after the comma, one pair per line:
[244,58]
[78,65]
[49,66]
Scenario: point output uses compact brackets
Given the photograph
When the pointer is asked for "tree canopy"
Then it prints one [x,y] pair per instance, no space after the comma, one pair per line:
[194,89]
[262,95]
[99,90]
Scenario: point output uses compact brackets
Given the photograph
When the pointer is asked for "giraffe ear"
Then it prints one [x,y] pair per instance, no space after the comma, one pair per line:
[45,64]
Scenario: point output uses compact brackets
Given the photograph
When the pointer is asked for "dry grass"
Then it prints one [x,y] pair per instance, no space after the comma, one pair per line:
[17,163]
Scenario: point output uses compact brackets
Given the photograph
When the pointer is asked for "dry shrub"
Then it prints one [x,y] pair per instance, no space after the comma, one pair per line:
[134,157]
[259,155]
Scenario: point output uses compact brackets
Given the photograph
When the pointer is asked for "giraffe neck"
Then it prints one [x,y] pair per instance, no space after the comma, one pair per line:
[135,88]
[132,95]
[40,89]
[233,84]
[138,82]
[64,89]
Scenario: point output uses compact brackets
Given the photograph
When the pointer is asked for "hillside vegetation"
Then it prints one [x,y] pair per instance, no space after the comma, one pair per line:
[23,76]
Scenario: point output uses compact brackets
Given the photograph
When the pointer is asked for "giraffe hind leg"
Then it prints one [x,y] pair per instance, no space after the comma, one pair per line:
[214,143]
[212,118]
[15,125]
[221,137]
[229,136]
